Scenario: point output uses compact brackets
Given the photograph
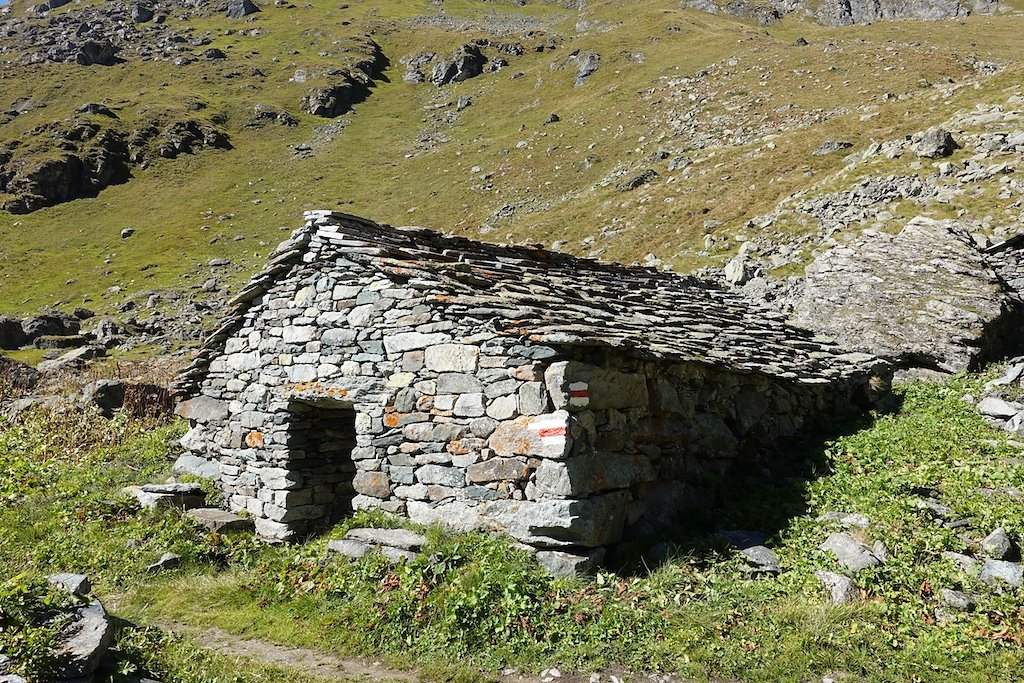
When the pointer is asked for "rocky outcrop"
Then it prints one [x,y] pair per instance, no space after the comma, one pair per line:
[344,88]
[467,61]
[844,12]
[94,150]
[924,297]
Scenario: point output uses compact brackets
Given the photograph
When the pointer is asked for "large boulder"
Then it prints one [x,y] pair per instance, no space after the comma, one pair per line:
[239,9]
[85,641]
[924,298]
[12,335]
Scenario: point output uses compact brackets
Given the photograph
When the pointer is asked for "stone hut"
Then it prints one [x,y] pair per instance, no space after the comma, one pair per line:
[559,400]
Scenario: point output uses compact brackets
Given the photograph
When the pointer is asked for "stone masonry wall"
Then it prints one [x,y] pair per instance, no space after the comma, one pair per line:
[342,380]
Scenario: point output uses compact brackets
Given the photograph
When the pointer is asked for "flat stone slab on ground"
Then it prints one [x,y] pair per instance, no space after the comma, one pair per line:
[157,500]
[957,600]
[762,559]
[563,564]
[349,548]
[216,519]
[394,538]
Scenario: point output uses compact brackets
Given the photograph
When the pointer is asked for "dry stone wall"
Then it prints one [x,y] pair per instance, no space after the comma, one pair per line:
[341,384]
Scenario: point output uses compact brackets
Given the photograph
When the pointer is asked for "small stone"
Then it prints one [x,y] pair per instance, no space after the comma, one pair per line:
[966,563]
[840,588]
[216,519]
[851,554]
[396,556]
[845,519]
[998,408]
[166,561]
[956,600]
[75,584]
[1000,571]
[999,545]
[762,559]
[127,232]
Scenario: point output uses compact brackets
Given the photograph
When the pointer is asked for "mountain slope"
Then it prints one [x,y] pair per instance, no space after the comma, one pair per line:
[690,125]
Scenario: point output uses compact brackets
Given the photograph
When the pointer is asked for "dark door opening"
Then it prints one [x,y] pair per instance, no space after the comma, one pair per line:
[320,443]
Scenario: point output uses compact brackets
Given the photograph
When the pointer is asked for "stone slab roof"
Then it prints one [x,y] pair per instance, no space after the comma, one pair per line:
[558,299]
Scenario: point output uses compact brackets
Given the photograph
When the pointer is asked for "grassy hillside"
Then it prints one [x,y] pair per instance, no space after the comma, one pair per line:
[753,109]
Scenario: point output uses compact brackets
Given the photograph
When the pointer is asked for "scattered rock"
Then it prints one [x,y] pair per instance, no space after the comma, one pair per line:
[840,588]
[587,63]
[565,564]
[349,548]
[239,9]
[762,559]
[637,181]
[997,572]
[467,62]
[72,359]
[75,584]
[19,374]
[162,496]
[167,561]
[94,109]
[851,554]
[12,336]
[956,600]
[998,545]
[998,408]
[846,519]
[85,641]
[966,563]
[831,147]
[934,143]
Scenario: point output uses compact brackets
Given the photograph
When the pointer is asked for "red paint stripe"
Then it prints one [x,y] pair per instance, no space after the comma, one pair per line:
[553,431]
[579,393]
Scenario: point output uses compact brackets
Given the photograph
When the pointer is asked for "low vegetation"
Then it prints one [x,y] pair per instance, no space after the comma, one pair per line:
[474,605]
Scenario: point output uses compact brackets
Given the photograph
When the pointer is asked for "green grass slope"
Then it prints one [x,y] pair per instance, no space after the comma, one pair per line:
[753,107]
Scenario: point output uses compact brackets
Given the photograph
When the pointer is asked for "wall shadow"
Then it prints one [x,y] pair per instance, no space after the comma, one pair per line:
[748,505]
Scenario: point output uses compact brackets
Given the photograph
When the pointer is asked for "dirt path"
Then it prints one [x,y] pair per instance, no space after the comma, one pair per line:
[331,667]
[297,658]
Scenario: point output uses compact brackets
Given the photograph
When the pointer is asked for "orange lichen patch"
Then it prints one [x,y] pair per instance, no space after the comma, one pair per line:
[254,439]
[458,447]
[444,297]
[303,387]
[391,420]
